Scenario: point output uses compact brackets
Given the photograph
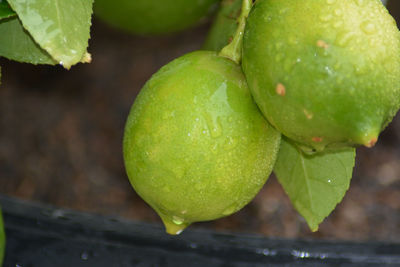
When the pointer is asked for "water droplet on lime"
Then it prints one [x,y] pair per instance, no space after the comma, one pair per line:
[368,27]
[177,220]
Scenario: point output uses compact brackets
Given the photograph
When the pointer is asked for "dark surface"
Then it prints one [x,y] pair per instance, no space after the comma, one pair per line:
[61,141]
[47,237]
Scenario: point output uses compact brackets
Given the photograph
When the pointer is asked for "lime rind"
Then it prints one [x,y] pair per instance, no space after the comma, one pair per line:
[196,147]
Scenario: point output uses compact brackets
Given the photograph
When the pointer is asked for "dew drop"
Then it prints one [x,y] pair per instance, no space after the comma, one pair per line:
[328,70]
[368,27]
[231,143]
[213,124]
[343,38]
[179,232]
[177,220]
[216,131]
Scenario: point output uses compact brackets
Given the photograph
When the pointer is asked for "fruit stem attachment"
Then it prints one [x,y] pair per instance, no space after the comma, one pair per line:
[233,50]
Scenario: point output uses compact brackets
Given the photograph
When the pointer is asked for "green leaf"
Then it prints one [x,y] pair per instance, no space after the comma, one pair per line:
[5,10]
[60,27]
[315,183]
[16,44]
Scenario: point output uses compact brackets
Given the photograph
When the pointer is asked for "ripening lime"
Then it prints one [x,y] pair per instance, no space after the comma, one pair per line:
[149,17]
[326,73]
[196,147]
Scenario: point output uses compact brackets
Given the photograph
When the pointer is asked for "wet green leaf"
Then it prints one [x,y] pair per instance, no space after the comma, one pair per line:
[16,44]
[315,183]
[5,10]
[60,27]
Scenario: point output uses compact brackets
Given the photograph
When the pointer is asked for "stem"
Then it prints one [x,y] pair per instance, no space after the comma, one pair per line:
[233,50]
[224,26]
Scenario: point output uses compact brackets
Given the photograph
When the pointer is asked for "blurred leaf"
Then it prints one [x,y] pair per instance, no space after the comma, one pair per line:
[315,183]
[60,27]
[5,10]
[16,44]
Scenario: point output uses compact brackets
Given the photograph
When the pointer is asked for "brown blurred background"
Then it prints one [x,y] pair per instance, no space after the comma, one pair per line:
[61,141]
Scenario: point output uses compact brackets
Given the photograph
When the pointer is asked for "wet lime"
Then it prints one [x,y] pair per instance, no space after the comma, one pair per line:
[196,147]
[326,73]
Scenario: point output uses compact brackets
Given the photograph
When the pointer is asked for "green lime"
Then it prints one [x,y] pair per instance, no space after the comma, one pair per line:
[196,147]
[151,16]
[326,73]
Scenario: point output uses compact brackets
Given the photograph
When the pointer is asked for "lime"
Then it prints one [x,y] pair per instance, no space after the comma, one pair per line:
[326,73]
[151,16]
[196,147]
